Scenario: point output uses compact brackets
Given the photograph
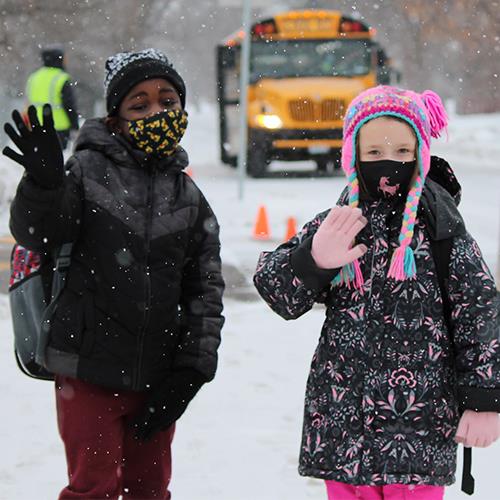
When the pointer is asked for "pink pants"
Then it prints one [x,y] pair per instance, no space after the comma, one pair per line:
[342,491]
[104,458]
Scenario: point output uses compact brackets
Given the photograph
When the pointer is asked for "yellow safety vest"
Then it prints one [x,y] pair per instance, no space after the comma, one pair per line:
[45,86]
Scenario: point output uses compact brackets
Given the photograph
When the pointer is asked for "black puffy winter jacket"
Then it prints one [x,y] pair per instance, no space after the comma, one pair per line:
[144,290]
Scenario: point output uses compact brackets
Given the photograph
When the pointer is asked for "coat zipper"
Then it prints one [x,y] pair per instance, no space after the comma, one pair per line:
[147,302]
[372,267]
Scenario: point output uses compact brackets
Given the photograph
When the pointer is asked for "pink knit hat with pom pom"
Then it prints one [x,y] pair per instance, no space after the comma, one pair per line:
[426,115]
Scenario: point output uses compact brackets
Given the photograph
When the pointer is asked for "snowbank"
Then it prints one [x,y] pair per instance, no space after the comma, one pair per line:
[240,438]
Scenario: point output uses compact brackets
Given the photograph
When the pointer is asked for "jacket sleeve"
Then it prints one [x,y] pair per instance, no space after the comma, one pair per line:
[43,219]
[201,297]
[475,324]
[69,104]
[288,278]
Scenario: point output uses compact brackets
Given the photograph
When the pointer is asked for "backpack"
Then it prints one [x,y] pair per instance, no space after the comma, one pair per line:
[34,287]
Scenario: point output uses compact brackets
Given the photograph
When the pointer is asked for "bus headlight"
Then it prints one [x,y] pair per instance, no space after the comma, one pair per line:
[269,121]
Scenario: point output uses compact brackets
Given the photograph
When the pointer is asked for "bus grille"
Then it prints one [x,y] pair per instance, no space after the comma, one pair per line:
[306,110]
[332,109]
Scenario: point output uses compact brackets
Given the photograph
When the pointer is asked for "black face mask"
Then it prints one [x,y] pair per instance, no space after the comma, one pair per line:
[385,179]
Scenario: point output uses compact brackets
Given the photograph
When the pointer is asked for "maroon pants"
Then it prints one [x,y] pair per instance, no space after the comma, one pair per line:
[104,459]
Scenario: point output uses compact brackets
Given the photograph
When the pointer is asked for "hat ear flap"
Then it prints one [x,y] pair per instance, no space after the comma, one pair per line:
[437,112]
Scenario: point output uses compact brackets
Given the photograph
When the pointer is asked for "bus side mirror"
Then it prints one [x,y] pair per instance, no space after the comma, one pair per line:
[386,73]
[228,66]
[227,56]
[381,58]
[383,68]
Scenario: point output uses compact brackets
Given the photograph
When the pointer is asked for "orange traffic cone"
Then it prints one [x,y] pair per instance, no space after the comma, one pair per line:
[291,228]
[189,171]
[261,228]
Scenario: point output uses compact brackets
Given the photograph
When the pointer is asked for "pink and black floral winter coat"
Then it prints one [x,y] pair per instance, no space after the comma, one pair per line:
[388,379]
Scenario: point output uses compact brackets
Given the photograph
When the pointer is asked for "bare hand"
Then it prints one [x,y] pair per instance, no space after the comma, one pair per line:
[332,243]
[479,429]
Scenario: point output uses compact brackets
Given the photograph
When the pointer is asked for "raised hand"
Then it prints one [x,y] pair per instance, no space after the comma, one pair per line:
[332,243]
[41,150]
[479,429]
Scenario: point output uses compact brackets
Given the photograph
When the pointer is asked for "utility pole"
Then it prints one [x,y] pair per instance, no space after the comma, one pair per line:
[244,78]
[244,81]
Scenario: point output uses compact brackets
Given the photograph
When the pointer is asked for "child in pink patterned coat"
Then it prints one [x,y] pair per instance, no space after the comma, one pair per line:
[407,364]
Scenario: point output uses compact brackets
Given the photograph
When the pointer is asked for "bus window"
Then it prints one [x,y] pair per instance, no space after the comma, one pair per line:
[306,58]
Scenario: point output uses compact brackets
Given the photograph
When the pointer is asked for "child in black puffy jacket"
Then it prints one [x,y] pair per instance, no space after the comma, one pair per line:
[136,330]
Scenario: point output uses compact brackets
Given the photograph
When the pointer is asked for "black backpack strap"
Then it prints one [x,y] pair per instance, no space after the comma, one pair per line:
[441,252]
[467,479]
[63,261]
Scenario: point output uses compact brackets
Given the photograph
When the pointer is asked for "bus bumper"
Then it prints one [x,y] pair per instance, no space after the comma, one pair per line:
[296,144]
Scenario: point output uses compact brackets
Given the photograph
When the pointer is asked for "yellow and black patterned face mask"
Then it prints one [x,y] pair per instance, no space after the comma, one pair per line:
[159,135]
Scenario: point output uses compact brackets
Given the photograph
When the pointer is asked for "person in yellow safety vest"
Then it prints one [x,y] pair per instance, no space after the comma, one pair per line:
[51,84]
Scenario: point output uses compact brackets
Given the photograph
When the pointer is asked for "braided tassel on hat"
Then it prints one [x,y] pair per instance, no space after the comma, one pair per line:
[403,259]
[351,274]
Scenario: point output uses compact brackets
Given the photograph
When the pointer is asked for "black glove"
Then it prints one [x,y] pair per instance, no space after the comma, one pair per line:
[42,153]
[167,402]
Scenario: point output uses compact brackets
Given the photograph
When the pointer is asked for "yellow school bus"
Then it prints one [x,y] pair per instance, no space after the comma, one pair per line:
[305,68]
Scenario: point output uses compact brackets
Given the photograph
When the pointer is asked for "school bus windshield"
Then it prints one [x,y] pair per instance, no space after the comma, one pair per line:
[308,58]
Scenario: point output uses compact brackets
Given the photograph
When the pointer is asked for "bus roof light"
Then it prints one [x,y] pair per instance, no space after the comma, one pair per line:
[264,28]
[352,26]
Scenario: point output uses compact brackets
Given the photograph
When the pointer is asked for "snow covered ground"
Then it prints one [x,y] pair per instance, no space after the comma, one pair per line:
[240,438]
